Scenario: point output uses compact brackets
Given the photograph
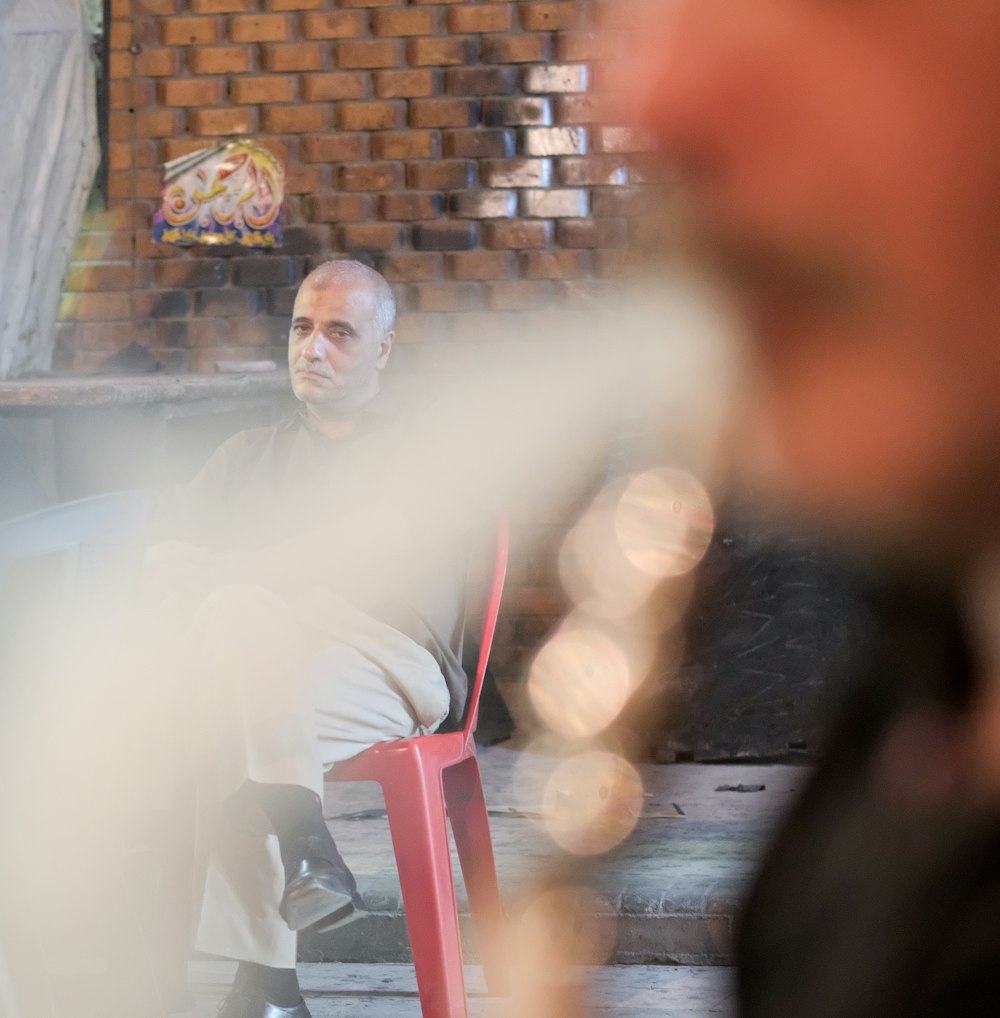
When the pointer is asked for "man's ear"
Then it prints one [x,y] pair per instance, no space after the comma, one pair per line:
[384,349]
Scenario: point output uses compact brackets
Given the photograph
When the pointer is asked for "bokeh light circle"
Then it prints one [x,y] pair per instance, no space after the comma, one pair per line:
[580,681]
[664,522]
[592,802]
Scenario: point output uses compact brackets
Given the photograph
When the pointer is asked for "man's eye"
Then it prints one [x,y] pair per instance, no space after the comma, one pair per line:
[300,330]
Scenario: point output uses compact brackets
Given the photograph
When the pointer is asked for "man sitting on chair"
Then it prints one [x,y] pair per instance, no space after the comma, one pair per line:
[323,609]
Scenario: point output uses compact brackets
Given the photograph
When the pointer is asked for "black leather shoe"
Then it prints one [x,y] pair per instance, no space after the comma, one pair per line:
[250,1004]
[319,892]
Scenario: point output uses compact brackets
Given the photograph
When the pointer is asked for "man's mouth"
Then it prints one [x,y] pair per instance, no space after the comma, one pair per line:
[316,375]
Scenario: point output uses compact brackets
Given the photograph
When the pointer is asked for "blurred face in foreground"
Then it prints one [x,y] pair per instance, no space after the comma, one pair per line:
[840,162]
[336,349]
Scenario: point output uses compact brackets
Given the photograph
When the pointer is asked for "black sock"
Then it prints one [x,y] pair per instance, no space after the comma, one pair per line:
[297,817]
[277,986]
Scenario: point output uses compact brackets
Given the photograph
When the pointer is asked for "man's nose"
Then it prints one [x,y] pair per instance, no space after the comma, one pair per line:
[314,347]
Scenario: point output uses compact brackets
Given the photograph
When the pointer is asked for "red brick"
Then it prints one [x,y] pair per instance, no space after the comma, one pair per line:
[148,183]
[368,237]
[172,148]
[259,28]
[370,177]
[406,145]
[293,56]
[295,5]
[370,53]
[519,295]
[580,46]
[120,95]
[549,17]
[443,112]
[470,18]
[156,123]
[144,153]
[583,171]
[99,276]
[294,119]
[370,116]
[262,90]
[483,203]
[414,328]
[340,208]
[119,35]
[618,264]
[481,81]
[515,49]
[190,272]
[335,148]
[447,296]
[435,52]
[114,335]
[409,205]
[120,184]
[480,143]
[119,155]
[219,59]
[95,307]
[616,201]
[305,179]
[445,235]
[190,91]
[188,31]
[517,235]
[404,21]
[156,63]
[264,270]
[481,265]
[221,6]
[411,267]
[223,120]
[441,176]
[555,264]
[591,233]
[120,65]
[226,303]
[335,85]
[405,84]
[103,246]
[334,25]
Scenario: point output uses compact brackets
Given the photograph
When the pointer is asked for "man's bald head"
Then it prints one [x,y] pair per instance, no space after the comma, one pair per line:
[340,271]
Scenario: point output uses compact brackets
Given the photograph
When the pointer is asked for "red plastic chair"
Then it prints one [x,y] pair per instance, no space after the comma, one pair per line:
[426,780]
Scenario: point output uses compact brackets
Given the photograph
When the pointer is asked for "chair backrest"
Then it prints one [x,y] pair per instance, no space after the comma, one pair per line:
[59,560]
[494,595]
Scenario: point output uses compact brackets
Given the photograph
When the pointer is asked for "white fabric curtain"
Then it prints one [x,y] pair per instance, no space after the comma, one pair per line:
[48,157]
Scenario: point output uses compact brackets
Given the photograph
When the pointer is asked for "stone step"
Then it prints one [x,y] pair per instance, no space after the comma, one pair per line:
[672,889]
[390,991]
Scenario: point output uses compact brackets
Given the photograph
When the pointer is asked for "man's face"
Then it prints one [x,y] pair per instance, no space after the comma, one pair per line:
[839,161]
[335,348]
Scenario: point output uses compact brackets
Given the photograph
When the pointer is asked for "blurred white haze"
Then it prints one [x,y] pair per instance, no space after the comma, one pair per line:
[636,396]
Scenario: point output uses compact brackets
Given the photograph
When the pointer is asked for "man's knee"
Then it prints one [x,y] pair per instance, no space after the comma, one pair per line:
[246,626]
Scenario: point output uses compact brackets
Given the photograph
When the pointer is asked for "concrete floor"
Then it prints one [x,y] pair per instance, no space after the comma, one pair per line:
[390,991]
[673,886]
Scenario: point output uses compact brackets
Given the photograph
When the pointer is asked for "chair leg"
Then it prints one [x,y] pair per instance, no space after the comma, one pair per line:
[463,788]
[418,822]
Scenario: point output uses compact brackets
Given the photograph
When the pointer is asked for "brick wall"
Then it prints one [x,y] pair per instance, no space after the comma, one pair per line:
[450,144]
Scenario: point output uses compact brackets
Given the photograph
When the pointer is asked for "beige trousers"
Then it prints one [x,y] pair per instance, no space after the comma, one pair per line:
[281,692]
